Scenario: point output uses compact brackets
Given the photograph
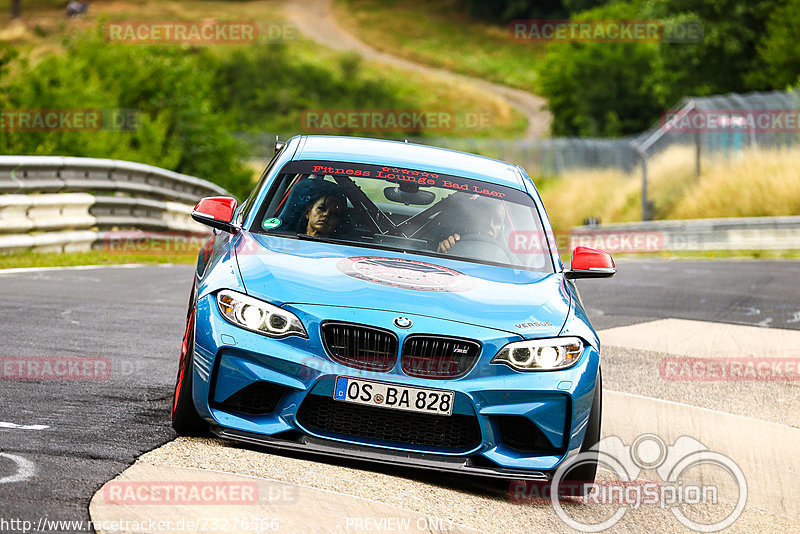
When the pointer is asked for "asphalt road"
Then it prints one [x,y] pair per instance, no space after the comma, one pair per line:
[758,293]
[132,319]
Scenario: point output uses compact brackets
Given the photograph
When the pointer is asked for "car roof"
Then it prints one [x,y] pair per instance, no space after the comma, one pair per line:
[408,155]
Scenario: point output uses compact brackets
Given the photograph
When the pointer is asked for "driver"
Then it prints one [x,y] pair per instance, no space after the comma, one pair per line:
[480,218]
[323,213]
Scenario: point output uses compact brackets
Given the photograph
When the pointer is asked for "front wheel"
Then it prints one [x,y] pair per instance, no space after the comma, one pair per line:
[576,480]
[185,419]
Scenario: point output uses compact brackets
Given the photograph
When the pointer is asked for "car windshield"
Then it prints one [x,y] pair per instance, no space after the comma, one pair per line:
[408,210]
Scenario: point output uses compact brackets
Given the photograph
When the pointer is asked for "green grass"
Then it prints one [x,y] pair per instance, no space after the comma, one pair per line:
[94,257]
[442,35]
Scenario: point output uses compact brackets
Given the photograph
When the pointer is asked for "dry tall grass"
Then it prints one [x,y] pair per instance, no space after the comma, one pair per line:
[752,183]
[599,193]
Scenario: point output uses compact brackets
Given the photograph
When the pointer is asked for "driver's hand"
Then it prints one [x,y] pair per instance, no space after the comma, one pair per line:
[446,245]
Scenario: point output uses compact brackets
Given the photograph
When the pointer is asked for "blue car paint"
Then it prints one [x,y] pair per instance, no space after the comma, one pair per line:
[297,363]
[289,272]
[284,270]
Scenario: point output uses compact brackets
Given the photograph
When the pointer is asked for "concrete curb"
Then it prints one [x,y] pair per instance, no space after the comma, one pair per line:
[149,498]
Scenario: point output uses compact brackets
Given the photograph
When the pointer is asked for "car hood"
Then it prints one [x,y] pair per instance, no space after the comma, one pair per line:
[292,271]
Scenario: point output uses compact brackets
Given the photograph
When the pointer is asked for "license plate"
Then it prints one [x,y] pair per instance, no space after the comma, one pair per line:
[433,401]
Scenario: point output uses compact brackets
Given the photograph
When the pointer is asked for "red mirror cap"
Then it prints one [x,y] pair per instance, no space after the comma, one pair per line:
[219,208]
[590,259]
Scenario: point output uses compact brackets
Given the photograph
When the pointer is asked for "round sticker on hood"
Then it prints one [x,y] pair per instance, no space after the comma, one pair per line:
[406,274]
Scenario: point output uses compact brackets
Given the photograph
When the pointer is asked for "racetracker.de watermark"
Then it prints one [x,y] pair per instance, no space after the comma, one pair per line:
[68,120]
[611,241]
[688,369]
[55,368]
[393,120]
[198,32]
[606,31]
[731,120]
[183,493]
[140,242]
[255,523]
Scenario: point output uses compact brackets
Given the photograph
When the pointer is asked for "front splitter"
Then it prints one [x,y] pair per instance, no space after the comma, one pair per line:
[372,454]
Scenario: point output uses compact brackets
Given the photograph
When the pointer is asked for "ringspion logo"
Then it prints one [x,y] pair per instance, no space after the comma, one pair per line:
[681,470]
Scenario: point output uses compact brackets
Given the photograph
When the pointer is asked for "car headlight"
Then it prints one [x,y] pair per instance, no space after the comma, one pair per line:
[258,316]
[541,354]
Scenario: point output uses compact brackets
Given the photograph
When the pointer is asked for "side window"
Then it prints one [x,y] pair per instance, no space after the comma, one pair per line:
[248,204]
[291,197]
[281,198]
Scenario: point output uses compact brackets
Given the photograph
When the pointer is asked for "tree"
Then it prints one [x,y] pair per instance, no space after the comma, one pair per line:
[15,8]
[778,49]
[726,58]
[602,88]
[507,10]
[599,88]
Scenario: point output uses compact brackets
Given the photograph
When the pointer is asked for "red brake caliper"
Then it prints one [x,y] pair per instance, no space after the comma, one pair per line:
[182,364]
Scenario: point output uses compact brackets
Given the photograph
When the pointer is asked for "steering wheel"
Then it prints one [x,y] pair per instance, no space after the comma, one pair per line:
[480,247]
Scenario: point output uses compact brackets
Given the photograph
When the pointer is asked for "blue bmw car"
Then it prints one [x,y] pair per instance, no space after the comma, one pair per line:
[396,303]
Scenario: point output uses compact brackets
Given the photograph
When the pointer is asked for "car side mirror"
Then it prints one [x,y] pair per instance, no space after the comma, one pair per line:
[216,212]
[590,263]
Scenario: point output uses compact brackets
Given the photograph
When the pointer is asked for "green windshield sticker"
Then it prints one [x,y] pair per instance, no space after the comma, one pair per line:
[269,224]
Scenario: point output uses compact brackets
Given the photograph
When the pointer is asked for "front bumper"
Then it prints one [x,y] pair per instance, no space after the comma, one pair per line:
[554,405]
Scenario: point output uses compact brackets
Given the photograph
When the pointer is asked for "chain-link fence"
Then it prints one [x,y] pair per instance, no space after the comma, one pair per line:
[715,125]
[724,123]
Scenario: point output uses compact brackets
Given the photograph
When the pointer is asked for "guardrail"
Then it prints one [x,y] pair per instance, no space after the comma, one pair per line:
[65,203]
[46,174]
[751,233]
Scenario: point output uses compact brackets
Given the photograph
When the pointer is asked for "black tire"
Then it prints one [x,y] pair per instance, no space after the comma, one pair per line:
[185,419]
[574,481]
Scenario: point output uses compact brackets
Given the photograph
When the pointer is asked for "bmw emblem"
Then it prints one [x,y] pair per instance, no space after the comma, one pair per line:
[402,322]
